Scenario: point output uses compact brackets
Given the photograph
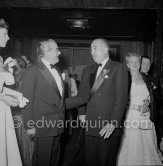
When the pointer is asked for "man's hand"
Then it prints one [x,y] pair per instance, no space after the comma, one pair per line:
[145,106]
[107,130]
[31,132]
[161,145]
[10,101]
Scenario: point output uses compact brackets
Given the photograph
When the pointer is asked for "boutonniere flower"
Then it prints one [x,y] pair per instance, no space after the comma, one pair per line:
[105,73]
[63,76]
[153,86]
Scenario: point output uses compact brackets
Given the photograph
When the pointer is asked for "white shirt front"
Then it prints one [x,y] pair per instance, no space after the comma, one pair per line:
[55,74]
[101,67]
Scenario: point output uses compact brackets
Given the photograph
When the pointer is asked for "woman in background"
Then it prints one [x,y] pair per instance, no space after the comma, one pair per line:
[139,143]
[9,152]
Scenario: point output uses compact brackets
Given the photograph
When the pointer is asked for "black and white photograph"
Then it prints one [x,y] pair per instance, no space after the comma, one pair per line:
[81,83]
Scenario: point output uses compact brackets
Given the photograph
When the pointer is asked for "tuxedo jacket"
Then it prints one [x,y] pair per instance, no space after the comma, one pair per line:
[153,93]
[155,97]
[45,111]
[107,102]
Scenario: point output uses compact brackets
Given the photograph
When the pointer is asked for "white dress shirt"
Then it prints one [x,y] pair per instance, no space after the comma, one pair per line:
[101,67]
[55,74]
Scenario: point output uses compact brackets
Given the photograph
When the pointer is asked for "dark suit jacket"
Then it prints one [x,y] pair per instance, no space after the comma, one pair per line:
[155,104]
[154,95]
[153,91]
[108,102]
[46,107]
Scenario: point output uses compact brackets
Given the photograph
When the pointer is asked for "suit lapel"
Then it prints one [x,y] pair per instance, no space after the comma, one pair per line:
[63,91]
[48,77]
[100,79]
[93,75]
[147,82]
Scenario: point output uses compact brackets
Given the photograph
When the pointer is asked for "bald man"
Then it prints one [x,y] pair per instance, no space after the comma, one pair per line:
[104,85]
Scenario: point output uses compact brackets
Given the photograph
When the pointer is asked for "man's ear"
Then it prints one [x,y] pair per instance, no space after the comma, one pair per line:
[106,50]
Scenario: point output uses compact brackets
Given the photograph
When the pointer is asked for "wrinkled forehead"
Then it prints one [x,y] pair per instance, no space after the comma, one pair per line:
[132,58]
[52,44]
[97,43]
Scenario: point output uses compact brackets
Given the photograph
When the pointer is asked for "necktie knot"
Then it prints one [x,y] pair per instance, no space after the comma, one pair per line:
[53,66]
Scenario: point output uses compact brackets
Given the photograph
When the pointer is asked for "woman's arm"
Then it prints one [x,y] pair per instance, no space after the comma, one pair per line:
[8,100]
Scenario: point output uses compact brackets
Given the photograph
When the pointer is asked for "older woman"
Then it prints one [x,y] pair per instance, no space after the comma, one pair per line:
[139,145]
[9,152]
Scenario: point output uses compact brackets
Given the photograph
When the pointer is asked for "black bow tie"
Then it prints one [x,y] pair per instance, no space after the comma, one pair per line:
[99,64]
[53,66]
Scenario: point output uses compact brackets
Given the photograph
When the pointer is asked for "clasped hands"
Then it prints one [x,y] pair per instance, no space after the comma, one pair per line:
[145,108]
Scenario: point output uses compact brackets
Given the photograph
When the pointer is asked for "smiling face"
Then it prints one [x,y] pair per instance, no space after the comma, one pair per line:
[3,37]
[133,63]
[99,51]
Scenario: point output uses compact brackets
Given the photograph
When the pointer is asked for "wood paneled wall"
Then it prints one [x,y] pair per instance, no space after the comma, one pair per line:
[75,54]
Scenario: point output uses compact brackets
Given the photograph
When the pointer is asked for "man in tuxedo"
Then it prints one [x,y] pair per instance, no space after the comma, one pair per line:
[146,69]
[104,86]
[157,103]
[42,84]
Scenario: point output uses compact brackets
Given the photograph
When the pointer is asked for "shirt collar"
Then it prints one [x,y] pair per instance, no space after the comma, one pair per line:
[47,63]
[104,62]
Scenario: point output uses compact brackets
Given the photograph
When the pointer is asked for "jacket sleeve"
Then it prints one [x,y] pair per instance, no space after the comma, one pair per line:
[121,95]
[83,92]
[28,89]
